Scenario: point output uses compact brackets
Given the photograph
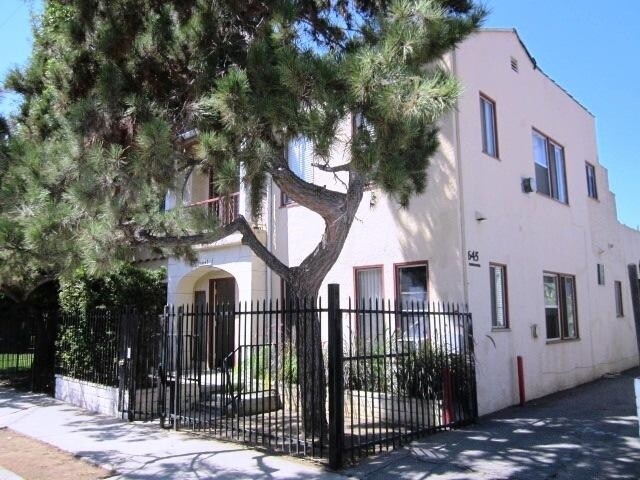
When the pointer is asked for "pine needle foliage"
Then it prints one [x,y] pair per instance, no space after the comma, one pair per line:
[113,84]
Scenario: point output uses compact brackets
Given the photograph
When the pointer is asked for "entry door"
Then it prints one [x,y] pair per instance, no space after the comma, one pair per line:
[222,297]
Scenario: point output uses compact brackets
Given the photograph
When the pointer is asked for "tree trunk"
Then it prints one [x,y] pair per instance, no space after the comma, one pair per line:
[306,331]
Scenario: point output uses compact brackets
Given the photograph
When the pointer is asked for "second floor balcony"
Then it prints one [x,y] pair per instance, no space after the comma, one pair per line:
[224,208]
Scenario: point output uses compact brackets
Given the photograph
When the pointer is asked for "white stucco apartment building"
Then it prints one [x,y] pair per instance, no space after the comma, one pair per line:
[517,221]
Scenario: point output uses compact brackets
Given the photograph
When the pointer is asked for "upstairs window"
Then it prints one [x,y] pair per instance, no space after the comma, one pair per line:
[551,179]
[592,187]
[489,126]
[300,160]
[300,157]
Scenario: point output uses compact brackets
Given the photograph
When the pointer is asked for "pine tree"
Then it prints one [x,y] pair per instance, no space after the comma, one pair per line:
[113,84]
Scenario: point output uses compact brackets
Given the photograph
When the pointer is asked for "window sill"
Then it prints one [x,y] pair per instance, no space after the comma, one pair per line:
[500,329]
[562,340]
[495,157]
[566,204]
[619,316]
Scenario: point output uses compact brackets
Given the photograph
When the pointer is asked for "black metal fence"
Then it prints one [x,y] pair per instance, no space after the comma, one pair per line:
[27,349]
[119,349]
[304,378]
[250,372]
[87,346]
[17,348]
[307,378]
[407,371]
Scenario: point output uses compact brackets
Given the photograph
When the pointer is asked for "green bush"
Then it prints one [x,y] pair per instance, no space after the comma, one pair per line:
[126,286]
[420,373]
[86,344]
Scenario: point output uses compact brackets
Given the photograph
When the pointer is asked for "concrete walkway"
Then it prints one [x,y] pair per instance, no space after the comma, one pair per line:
[584,433]
[142,451]
[589,432]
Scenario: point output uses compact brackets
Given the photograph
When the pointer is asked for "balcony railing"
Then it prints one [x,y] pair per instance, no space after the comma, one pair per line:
[225,208]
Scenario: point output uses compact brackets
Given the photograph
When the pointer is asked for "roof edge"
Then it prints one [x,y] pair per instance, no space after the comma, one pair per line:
[535,63]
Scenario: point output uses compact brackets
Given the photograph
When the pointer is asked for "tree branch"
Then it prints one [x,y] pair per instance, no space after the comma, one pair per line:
[326,203]
[338,168]
[240,225]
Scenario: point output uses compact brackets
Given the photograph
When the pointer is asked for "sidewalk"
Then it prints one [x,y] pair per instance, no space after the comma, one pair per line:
[589,432]
[142,451]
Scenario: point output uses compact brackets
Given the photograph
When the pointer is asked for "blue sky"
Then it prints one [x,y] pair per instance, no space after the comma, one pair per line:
[589,48]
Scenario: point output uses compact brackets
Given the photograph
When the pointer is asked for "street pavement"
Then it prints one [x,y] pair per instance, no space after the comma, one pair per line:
[589,432]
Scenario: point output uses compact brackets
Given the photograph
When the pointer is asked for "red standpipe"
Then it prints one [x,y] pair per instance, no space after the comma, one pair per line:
[521,380]
[448,396]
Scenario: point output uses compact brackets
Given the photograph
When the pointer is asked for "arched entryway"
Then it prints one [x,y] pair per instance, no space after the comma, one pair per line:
[214,294]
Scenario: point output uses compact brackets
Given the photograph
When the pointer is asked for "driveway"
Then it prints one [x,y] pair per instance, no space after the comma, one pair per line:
[587,432]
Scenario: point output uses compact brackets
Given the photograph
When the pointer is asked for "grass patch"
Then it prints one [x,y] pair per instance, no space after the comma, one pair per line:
[9,362]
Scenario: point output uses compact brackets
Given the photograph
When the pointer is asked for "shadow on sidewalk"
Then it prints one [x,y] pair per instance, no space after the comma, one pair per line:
[587,432]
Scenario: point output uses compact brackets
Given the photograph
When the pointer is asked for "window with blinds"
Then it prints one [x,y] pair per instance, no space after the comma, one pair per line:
[369,300]
[299,153]
[499,314]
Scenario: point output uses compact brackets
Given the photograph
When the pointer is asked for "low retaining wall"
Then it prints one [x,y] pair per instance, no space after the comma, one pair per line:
[87,395]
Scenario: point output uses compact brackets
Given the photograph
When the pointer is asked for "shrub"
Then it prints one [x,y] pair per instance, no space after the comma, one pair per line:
[87,345]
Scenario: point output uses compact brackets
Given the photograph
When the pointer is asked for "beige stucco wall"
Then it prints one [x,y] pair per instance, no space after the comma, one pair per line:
[531,233]
[222,259]
[383,233]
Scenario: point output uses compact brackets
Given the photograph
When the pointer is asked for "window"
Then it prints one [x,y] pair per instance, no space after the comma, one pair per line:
[618,292]
[592,187]
[489,126]
[561,316]
[600,274]
[412,281]
[499,314]
[412,285]
[369,296]
[300,160]
[550,168]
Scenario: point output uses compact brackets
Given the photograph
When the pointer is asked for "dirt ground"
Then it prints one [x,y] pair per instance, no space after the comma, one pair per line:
[35,460]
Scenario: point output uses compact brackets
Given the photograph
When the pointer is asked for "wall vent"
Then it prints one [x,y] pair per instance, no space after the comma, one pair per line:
[514,64]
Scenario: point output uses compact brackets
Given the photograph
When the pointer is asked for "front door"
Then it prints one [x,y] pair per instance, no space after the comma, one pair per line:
[222,297]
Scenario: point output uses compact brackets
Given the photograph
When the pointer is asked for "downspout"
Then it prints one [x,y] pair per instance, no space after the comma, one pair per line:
[463,235]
